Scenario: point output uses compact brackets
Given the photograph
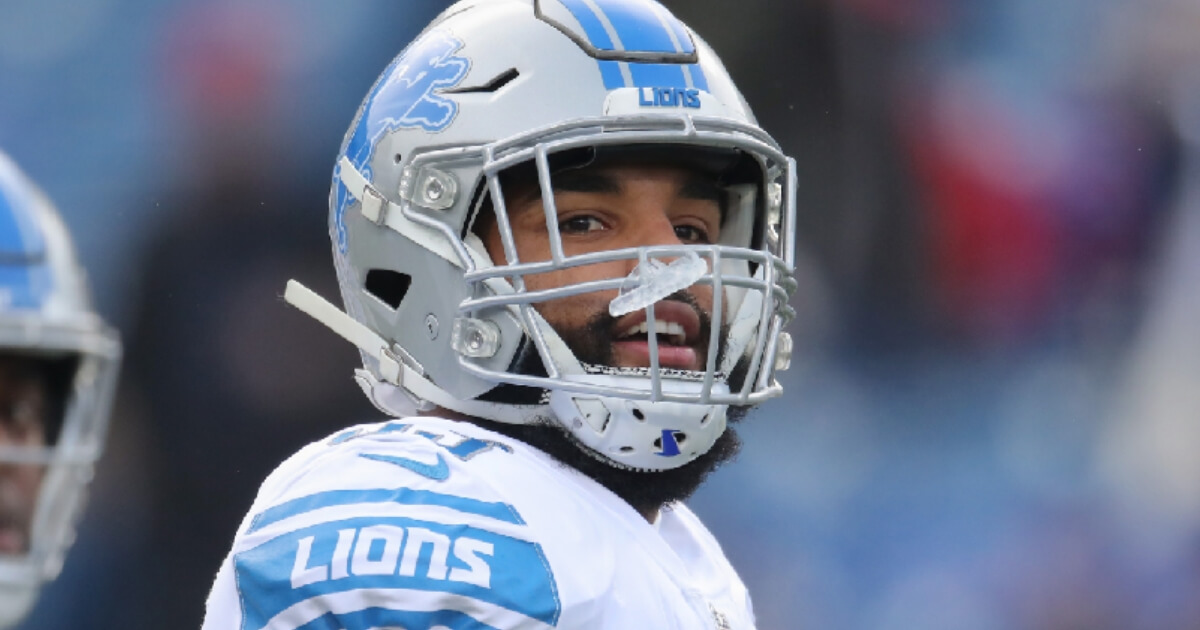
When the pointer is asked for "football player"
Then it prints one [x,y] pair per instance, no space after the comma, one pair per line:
[58,367]
[565,252]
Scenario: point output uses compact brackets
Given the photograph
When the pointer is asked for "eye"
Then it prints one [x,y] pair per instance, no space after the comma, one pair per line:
[691,234]
[580,225]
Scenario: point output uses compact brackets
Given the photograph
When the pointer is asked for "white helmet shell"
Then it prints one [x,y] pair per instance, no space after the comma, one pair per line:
[494,84]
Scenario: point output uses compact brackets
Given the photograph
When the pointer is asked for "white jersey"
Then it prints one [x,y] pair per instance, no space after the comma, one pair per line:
[436,524]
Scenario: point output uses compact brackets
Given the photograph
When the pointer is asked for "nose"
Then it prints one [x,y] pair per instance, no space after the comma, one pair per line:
[659,230]
[656,229]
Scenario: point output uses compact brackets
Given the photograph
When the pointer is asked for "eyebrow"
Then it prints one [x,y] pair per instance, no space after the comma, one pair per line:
[583,182]
[703,189]
[694,187]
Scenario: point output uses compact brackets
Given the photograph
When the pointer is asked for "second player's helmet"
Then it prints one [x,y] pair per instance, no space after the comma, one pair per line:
[46,316]
[492,86]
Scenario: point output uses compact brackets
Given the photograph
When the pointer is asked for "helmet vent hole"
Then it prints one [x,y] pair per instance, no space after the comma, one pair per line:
[491,87]
[388,286]
[626,449]
[398,158]
[637,413]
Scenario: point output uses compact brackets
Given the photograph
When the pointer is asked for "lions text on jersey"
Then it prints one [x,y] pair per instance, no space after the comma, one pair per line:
[404,524]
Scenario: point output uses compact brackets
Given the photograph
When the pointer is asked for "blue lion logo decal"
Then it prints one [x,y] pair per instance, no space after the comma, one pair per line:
[405,96]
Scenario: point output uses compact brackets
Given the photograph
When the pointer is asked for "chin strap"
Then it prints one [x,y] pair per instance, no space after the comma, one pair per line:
[394,371]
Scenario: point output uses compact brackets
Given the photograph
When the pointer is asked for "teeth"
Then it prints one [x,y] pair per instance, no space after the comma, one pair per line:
[673,332]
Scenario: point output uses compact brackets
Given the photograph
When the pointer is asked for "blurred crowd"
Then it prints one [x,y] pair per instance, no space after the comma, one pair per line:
[994,414]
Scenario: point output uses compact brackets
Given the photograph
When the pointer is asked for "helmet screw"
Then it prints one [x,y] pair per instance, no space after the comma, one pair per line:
[475,340]
[434,190]
[431,324]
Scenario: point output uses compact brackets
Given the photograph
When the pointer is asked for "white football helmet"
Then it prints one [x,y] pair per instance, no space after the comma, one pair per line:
[492,84]
[46,313]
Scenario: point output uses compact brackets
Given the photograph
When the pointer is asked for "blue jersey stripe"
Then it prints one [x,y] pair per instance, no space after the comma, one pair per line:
[325,561]
[384,618]
[387,618]
[405,496]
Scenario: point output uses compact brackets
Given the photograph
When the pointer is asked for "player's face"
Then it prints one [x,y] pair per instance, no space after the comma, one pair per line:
[23,411]
[606,208]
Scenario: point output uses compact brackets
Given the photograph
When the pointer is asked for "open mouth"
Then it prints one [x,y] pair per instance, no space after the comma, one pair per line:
[677,329]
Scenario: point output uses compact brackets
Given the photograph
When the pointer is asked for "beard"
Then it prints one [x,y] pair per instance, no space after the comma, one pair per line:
[645,490]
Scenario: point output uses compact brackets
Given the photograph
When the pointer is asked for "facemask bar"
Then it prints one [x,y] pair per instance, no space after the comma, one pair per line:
[411,217]
[774,284]
[496,157]
[80,442]
[768,286]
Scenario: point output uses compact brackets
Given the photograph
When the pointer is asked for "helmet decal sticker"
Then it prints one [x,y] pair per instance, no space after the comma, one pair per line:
[405,96]
[670,446]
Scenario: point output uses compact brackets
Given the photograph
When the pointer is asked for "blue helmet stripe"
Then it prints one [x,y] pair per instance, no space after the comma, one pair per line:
[591,24]
[658,75]
[610,71]
[11,240]
[25,279]
[19,233]
[699,81]
[641,26]
[680,31]
[24,286]
[638,25]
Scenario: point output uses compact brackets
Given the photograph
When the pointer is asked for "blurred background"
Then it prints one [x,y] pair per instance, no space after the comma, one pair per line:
[993,419]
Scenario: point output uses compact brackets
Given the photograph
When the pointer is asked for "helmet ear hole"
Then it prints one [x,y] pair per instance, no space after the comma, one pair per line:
[388,285]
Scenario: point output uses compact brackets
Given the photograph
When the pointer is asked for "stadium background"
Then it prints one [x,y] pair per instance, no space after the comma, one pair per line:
[994,416]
